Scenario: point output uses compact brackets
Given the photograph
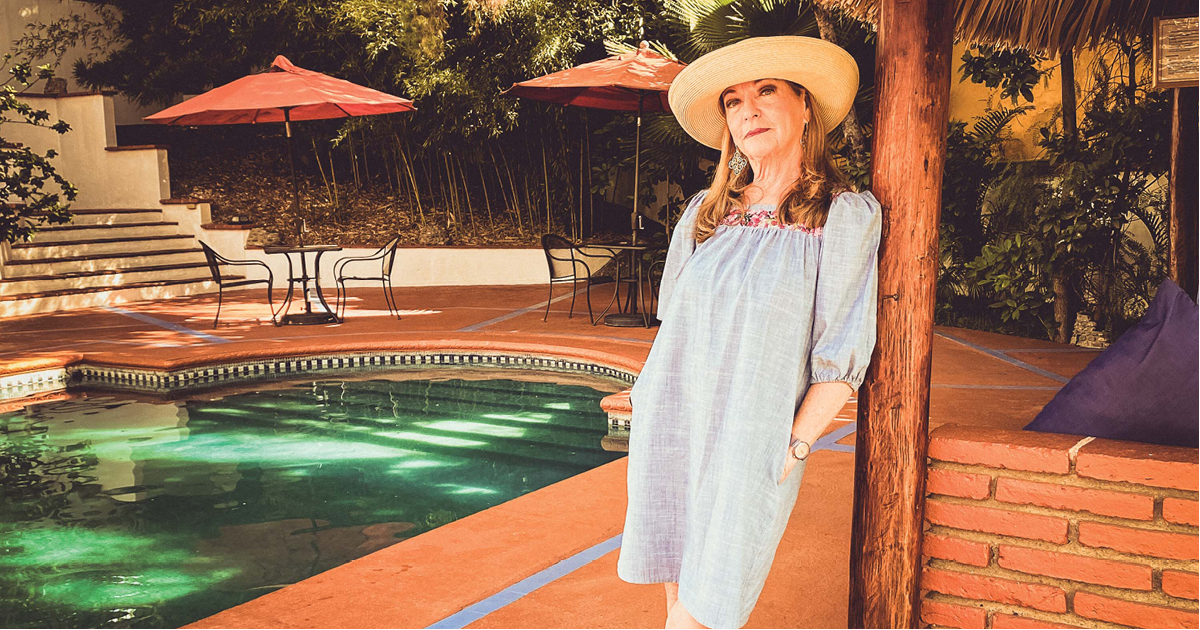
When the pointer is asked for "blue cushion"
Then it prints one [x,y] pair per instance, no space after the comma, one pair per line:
[1142,388]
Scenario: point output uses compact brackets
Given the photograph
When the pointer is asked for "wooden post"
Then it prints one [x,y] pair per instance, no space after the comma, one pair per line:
[1182,261]
[912,101]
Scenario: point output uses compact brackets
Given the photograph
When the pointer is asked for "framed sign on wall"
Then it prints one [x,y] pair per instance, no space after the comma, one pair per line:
[1176,52]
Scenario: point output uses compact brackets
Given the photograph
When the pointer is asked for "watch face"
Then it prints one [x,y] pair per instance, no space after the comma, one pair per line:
[801,450]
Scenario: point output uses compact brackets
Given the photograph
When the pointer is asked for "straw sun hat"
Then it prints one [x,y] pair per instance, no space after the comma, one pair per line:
[826,70]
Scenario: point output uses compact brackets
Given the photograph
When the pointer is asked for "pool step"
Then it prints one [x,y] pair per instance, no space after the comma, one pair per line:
[560,431]
[358,402]
[497,390]
[434,441]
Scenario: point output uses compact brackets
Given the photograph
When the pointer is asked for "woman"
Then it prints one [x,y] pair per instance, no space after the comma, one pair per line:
[768,303]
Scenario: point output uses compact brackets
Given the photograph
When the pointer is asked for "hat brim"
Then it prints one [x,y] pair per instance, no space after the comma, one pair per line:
[826,70]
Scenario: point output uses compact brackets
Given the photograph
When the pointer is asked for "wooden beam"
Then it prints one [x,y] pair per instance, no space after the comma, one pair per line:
[912,101]
[1182,261]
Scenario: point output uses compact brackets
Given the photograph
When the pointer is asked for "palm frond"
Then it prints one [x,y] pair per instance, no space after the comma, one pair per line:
[1041,26]
[988,127]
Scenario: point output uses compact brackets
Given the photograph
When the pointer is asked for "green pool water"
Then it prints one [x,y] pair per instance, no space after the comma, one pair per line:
[126,511]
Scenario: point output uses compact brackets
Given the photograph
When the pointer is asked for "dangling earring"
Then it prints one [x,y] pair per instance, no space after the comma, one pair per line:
[737,163]
[805,132]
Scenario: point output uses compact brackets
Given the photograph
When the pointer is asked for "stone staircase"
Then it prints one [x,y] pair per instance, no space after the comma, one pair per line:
[103,257]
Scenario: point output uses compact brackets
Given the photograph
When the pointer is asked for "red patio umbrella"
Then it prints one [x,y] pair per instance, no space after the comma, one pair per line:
[635,81]
[283,93]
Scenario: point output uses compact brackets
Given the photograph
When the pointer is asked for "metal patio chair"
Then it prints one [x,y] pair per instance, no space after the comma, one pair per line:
[386,256]
[655,271]
[565,266]
[215,261]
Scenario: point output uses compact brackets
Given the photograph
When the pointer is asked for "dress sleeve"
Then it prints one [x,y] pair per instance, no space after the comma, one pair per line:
[683,243]
[843,335]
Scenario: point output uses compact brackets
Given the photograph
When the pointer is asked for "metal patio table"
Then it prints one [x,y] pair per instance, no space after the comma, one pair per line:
[308,316]
[636,267]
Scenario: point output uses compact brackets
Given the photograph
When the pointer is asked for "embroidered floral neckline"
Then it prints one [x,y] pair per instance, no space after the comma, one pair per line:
[763,215]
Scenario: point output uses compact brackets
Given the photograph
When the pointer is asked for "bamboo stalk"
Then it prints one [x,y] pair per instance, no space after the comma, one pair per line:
[508,208]
[366,164]
[353,162]
[582,168]
[451,187]
[445,194]
[516,202]
[587,138]
[321,170]
[333,175]
[546,181]
[411,177]
[570,184]
[467,195]
[487,202]
[387,172]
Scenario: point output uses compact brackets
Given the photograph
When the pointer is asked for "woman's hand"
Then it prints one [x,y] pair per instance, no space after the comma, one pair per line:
[821,404]
[787,468]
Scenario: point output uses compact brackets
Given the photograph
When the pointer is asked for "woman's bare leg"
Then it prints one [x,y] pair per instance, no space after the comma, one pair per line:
[672,595]
[679,617]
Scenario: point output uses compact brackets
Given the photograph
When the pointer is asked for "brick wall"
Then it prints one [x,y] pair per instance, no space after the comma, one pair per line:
[1037,530]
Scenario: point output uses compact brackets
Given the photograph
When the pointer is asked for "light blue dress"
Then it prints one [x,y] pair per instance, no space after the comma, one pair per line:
[750,318]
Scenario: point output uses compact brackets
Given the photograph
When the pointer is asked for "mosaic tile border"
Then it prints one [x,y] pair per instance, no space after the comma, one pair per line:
[153,381]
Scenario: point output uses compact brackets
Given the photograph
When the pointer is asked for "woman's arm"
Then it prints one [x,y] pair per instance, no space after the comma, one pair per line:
[820,406]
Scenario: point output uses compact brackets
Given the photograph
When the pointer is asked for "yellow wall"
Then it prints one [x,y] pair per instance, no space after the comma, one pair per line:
[970,100]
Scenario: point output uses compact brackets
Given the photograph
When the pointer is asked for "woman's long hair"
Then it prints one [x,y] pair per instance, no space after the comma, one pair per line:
[807,203]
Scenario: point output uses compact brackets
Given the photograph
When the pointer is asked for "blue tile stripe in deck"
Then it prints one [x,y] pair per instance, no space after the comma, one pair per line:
[162,323]
[485,607]
[519,312]
[511,594]
[1004,357]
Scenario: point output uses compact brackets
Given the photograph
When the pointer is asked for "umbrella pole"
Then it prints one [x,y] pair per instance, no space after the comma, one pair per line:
[637,163]
[287,129]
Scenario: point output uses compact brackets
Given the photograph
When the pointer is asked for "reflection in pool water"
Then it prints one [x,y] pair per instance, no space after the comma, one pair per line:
[128,512]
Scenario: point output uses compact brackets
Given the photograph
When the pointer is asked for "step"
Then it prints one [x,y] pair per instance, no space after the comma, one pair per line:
[103,278]
[108,216]
[120,245]
[77,233]
[78,264]
[515,452]
[18,305]
[405,412]
[452,400]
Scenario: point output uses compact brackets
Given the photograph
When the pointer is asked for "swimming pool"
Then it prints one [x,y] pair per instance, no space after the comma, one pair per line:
[126,510]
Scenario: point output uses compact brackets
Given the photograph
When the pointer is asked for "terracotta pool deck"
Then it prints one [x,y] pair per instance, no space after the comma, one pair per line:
[546,559]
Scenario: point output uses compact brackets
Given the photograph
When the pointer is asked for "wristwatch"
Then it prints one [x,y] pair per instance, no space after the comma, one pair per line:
[799,448]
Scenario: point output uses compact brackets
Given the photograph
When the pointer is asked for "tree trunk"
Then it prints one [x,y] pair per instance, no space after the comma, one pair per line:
[1064,313]
[1182,259]
[1066,302]
[1069,106]
[912,87]
[850,127]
